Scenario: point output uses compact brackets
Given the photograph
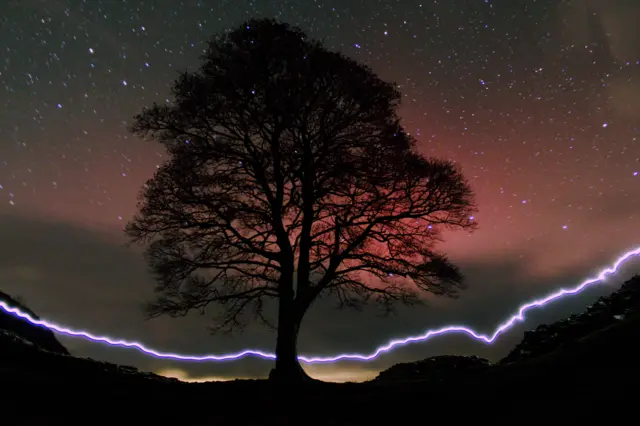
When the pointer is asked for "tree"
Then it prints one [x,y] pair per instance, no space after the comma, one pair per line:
[290,177]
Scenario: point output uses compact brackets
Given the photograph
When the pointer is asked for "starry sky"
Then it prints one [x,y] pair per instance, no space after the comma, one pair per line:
[538,100]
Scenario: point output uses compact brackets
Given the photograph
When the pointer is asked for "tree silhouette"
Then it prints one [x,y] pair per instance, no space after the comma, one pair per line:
[289,177]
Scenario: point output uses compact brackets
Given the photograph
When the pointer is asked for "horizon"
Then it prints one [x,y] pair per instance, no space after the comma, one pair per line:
[310,363]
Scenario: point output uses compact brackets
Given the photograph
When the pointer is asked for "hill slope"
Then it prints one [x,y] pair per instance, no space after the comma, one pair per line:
[14,328]
[435,369]
[607,311]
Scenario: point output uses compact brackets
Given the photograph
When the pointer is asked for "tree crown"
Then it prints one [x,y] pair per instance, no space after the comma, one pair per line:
[289,171]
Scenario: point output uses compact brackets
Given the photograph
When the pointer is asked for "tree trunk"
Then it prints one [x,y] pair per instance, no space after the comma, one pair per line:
[288,368]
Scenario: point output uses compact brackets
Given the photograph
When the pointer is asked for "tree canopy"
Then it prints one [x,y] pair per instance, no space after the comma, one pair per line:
[289,177]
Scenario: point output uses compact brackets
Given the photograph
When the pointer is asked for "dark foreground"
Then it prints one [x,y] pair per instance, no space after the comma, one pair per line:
[584,369]
[595,375]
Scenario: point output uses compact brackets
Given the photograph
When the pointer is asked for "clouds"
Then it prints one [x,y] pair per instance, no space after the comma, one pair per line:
[618,21]
[64,270]
[85,279]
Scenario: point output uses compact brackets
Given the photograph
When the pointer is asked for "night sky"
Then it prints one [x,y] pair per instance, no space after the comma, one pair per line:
[539,102]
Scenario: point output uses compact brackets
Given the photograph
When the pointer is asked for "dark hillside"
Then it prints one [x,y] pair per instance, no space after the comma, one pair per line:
[12,327]
[435,369]
[605,312]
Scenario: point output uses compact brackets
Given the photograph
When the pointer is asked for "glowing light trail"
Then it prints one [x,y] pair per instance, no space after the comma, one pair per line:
[356,357]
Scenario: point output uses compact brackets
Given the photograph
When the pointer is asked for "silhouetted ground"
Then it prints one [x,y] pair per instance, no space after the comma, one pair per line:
[437,369]
[595,372]
[605,312]
[39,336]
